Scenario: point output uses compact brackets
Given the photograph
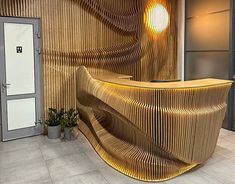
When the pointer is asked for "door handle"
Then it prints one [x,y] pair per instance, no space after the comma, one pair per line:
[5,85]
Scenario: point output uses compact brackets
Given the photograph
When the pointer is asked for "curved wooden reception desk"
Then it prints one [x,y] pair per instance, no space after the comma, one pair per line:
[151,131]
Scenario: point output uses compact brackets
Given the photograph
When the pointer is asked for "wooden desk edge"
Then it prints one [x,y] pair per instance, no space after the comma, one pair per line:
[209,82]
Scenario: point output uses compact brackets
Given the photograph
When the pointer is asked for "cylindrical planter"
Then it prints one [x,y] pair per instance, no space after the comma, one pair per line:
[69,134]
[54,132]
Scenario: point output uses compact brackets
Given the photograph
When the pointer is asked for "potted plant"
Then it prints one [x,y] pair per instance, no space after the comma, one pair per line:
[55,117]
[69,123]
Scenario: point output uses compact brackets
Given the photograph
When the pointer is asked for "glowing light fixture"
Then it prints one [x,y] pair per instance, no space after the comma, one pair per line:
[156,17]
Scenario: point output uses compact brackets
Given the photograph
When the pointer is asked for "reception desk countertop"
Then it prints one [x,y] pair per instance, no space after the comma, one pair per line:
[124,80]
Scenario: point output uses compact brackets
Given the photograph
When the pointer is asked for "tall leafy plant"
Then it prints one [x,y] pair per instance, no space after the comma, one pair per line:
[55,117]
[70,118]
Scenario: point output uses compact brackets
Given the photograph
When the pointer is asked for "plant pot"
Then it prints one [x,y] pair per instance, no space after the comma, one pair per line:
[54,132]
[69,134]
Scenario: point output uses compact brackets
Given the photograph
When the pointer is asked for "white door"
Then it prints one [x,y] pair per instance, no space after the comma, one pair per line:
[20,77]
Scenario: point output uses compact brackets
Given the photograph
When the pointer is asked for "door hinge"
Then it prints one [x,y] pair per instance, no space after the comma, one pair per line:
[38,50]
[39,122]
[38,34]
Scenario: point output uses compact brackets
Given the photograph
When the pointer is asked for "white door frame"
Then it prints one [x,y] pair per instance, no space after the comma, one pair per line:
[29,131]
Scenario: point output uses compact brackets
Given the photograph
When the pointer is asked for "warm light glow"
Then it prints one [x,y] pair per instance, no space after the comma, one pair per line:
[156,18]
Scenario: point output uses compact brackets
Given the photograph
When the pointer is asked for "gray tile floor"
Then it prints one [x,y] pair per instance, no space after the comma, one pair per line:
[38,160]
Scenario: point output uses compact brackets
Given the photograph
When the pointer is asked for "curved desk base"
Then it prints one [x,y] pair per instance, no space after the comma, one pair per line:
[151,134]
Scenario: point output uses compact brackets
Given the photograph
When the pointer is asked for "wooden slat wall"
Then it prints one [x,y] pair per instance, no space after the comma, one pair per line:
[103,34]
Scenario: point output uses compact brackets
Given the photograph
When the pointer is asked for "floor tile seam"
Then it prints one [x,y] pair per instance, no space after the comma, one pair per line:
[46,166]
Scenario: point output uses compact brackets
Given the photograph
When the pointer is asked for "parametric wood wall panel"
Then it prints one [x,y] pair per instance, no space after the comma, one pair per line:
[100,34]
[151,132]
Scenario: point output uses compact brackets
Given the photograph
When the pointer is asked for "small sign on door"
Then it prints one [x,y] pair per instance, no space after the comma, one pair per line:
[19,49]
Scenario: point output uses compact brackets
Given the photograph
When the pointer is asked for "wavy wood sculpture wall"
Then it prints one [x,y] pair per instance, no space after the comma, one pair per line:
[100,34]
[152,132]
